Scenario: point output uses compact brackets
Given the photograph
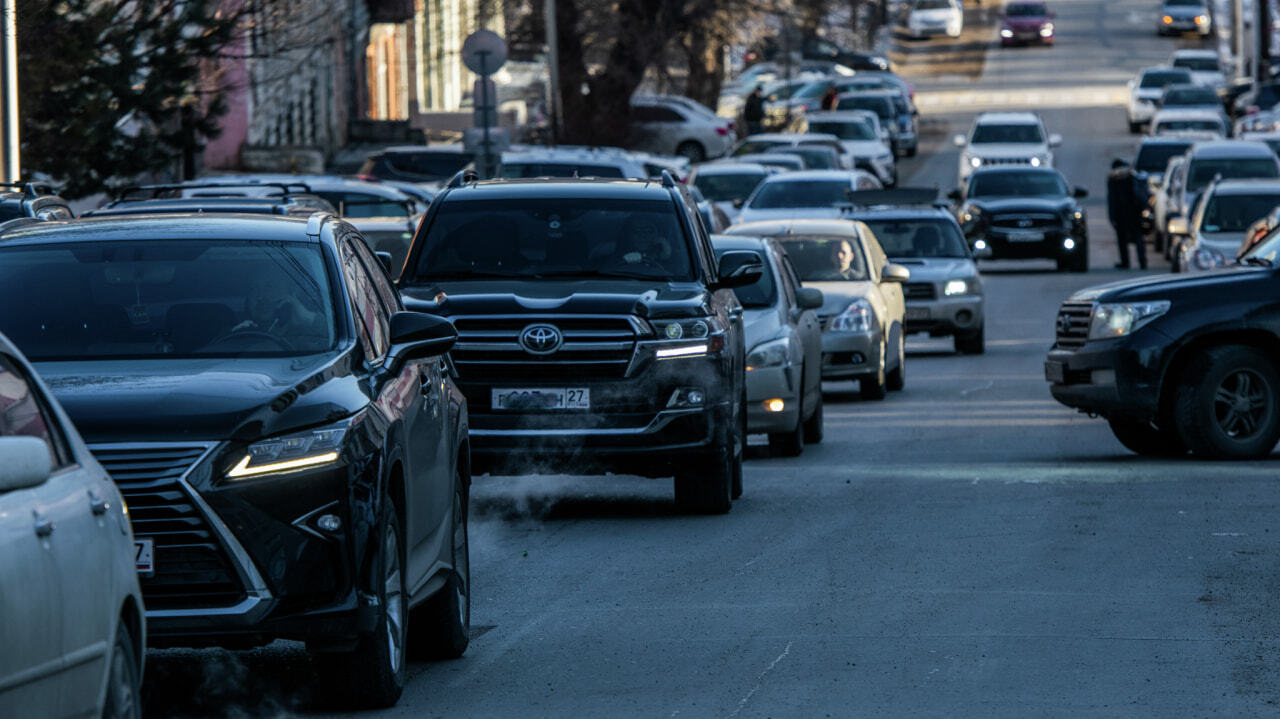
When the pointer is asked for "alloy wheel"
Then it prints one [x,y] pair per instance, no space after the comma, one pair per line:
[393,589]
[1240,404]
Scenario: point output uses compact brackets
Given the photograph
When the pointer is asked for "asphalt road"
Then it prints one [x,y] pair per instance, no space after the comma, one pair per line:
[967,547]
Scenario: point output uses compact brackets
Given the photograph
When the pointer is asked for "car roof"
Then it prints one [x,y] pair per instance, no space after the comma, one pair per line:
[1011,169]
[1188,86]
[1164,140]
[1194,52]
[798,175]
[728,167]
[1247,186]
[1189,113]
[807,226]
[1230,148]
[195,205]
[903,213]
[552,187]
[1008,118]
[316,183]
[840,116]
[230,226]
[453,147]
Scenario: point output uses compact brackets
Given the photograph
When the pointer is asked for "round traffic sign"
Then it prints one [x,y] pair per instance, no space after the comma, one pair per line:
[484,51]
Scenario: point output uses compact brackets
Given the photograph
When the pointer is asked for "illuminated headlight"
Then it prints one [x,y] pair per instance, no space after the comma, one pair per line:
[1118,320]
[963,286]
[980,245]
[292,453]
[1006,33]
[1168,20]
[1068,244]
[1046,30]
[683,329]
[768,354]
[857,317]
[970,215]
[1202,19]
[1036,162]
[1079,215]
[975,162]
[1207,258]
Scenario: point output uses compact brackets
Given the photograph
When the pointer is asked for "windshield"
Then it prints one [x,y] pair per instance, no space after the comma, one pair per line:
[429,164]
[728,186]
[172,299]
[814,158]
[1234,213]
[1184,3]
[1017,184]
[752,147]
[761,293]
[1026,10]
[565,237]
[844,129]
[919,238]
[819,258]
[1205,125]
[800,193]
[1191,96]
[1155,157]
[394,242]
[1202,171]
[556,169]
[1018,132]
[1197,64]
[933,4]
[880,105]
[1160,79]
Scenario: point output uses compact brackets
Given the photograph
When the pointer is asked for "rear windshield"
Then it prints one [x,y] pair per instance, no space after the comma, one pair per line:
[1198,64]
[1162,78]
[1155,157]
[555,237]
[801,193]
[511,170]
[1026,10]
[1000,133]
[727,187]
[919,238]
[428,165]
[882,106]
[172,299]
[1017,184]
[1234,213]
[1191,96]
[752,147]
[365,205]
[814,158]
[844,129]
[1202,171]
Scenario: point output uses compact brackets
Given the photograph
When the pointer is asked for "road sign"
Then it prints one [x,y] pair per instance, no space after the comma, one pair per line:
[484,52]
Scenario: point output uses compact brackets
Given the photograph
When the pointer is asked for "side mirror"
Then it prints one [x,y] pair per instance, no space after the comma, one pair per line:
[385,259]
[1178,226]
[1055,139]
[894,273]
[738,202]
[739,269]
[418,335]
[959,140]
[807,298]
[24,463]
[955,195]
[1080,193]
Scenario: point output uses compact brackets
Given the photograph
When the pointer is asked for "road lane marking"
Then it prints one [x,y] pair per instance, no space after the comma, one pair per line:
[760,682]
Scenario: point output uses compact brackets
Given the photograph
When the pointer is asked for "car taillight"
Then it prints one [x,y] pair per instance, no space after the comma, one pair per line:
[722,131]
[1253,110]
[367,178]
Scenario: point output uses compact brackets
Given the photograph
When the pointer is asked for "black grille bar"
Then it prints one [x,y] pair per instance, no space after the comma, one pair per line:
[1073,324]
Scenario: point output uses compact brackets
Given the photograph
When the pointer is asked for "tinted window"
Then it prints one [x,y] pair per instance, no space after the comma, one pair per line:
[547,169]
[814,159]
[819,259]
[844,129]
[1155,157]
[1190,96]
[918,238]
[188,298]
[881,106]
[1017,132]
[801,193]
[1162,78]
[1234,213]
[364,303]
[430,165]
[1202,171]
[566,237]
[395,242]
[1205,125]
[1197,64]
[751,147]
[1026,10]
[22,414]
[933,4]
[727,187]
[1017,184]
[654,113]
[763,293]
[364,204]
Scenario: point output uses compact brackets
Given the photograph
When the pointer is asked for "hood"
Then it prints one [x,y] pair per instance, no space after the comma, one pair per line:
[1007,149]
[1025,23]
[760,324]
[1183,12]
[936,269]
[789,213]
[203,399]
[1228,243]
[836,296]
[646,298]
[1164,286]
[1023,204]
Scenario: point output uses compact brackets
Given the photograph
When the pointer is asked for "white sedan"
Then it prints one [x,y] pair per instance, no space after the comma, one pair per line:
[818,194]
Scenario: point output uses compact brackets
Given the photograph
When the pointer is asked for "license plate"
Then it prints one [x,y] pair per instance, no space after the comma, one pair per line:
[1055,372]
[541,398]
[1027,236]
[144,556]
[916,313]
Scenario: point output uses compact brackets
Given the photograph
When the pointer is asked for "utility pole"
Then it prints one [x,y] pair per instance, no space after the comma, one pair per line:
[553,69]
[10,167]
[1237,35]
[1263,51]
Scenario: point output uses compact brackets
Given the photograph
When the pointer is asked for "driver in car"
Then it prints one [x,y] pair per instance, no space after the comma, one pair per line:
[273,307]
[842,257]
[643,244]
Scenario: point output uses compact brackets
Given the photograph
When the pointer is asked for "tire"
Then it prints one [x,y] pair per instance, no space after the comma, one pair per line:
[742,430]
[1080,263]
[692,150]
[873,388]
[373,675]
[709,488]
[790,444]
[1135,128]
[123,699]
[813,425]
[441,627]
[972,343]
[1210,401]
[912,152]
[897,379]
[1146,439]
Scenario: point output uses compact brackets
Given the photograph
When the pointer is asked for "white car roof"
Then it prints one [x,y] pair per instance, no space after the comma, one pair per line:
[801,175]
[1187,113]
[1008,118]
[840,116]
[1193,52]
[728,167]
[1247,186]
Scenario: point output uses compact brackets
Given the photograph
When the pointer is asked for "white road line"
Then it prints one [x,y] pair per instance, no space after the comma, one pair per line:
[1035,98]
[760,682]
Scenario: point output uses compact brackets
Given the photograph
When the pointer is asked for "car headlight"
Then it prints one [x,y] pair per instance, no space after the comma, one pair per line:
[1207,258]
[975,162]
[768,354]
[1006,33]
[292,452]
[1036,161]
[971,215]
[686,338]
[1202,19]
[682,330]
[857,317]
[1120,319]
[1046,30]
[962,286]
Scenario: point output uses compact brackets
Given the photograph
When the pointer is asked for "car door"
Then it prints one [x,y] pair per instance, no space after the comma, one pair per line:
[806,324]
[891,292]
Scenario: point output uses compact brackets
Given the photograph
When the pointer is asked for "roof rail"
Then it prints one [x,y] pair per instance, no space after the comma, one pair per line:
[464,177]
[31,189]
[667,179]
[316,220]
[19,222]
[157,191]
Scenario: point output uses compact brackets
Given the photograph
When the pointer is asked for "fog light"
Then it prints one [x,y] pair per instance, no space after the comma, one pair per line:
[1069,244]
[684,397]
[858,358]
[1035,162]
[1103,376]
[774,405]
[329,522]
[1006,33]
[964,317]
[980,245]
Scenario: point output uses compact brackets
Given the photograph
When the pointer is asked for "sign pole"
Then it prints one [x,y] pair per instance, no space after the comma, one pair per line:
[10,167]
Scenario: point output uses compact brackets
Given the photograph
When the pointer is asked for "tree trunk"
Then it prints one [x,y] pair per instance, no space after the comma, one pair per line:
[705,49]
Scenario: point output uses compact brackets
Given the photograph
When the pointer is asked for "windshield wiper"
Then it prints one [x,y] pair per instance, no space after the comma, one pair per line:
[1259,261]
[597,273]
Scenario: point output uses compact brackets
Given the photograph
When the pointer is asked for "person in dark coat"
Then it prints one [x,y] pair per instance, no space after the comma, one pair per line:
[1125,213]
[829,101]
[753,111]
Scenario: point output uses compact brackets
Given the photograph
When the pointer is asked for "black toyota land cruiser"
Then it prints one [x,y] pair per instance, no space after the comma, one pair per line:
[597,332]
[1178,363]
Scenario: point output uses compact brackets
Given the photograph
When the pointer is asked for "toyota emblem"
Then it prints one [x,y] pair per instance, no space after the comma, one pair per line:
[541,339]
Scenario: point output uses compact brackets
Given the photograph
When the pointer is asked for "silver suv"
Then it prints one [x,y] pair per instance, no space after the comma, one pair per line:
[1006,138]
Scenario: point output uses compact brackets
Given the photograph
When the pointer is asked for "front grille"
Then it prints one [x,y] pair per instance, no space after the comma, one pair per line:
[594,348]
[824,321]
[192,570]
[919,291]
[989,161]
[1026,221]
[1073,324]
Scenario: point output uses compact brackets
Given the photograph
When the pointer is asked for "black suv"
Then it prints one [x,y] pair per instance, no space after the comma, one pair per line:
[32,199]
[597,332]
[1024,212]
[1178,363]
[416,163]
[291,447]
[289,199]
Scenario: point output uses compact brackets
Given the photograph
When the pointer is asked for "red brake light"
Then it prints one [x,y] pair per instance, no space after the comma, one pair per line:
[367,178]
[722,131]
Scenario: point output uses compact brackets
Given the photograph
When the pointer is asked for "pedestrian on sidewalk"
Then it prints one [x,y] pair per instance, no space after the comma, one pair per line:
[829,101]
[1125,213]
[753,111]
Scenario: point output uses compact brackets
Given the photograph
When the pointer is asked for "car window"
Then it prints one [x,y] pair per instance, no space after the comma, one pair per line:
[728,186]
[1202,170]
[23,413]
[555,169]
[655,113]
[430,164]
[881,106]
[800,193]
[371,320]
[1190,96]
[1026,10]
[921,237]
[381,283]
[1007,132]
[1154,157]
[752,147]
[844,129]
[1187,125]
[365,204]
[1198,64]
[814,159]
[876,257]
[1017,184]
[1161,78]
[826,258]
[1234,213]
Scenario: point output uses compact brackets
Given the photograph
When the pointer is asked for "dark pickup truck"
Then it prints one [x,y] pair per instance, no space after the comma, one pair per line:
[597,331]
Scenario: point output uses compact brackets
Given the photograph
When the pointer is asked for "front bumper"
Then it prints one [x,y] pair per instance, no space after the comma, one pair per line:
[1109,377]
[1141,111]
[1007,245]
[772,383]
[905,141]
[944,315]
[850,355]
